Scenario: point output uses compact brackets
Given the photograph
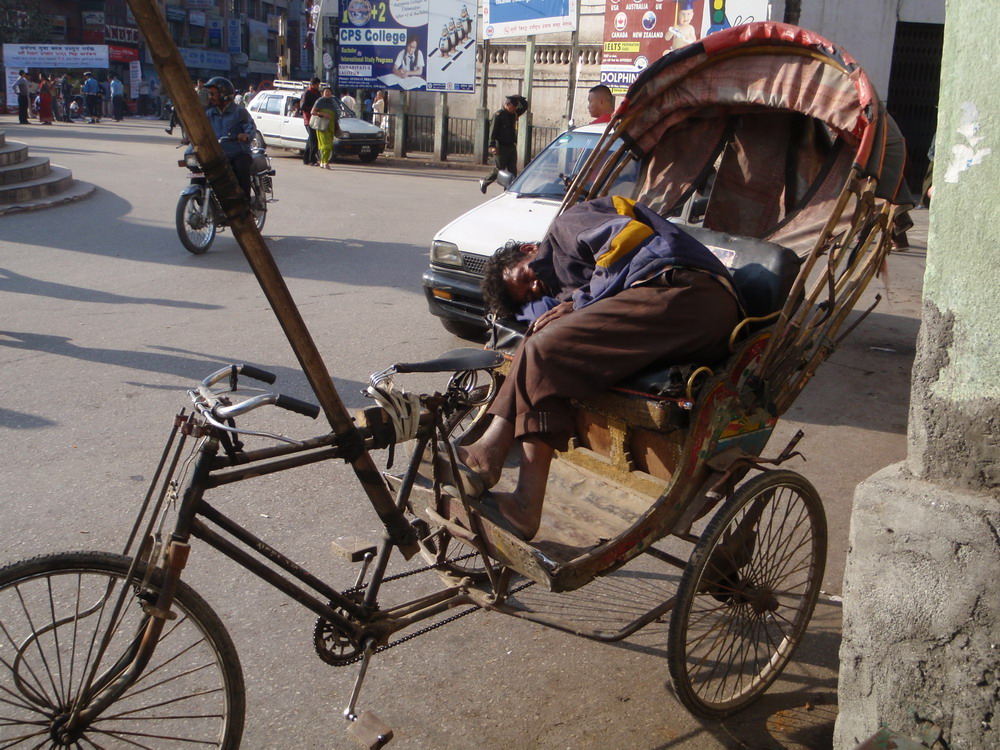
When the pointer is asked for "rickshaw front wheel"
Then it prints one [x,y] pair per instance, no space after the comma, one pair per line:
[747,594]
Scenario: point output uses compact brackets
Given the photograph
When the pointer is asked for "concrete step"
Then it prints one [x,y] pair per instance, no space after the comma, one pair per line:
[13,152]
[74,191]
[32,168]
[57,180]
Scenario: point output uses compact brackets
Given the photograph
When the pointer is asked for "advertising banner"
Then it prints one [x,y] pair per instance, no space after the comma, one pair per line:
[55,56]
[423,45]
[502,18]
[235,37]
[257,40]
[639,32]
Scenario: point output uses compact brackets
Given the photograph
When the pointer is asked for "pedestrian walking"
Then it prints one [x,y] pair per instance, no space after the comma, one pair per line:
[325,110]
[142,103]
[92,97]
[21,90]
[117,97]
[309,99]
[503,139]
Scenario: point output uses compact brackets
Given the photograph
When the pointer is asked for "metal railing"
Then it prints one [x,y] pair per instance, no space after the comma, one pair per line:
[461,137]
[419,133]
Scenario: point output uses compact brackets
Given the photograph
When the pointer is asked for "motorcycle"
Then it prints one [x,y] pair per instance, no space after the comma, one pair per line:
[199,213]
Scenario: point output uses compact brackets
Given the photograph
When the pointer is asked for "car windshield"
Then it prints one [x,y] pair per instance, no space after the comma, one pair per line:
[550,173]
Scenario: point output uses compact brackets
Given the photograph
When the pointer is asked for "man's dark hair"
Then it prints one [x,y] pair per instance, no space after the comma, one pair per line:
[496,297]
[604,91]
[314,81]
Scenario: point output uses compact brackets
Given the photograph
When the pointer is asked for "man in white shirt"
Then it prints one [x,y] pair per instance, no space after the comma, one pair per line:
[21,90]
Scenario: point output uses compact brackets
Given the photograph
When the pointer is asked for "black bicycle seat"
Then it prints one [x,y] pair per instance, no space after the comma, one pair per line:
[455,361]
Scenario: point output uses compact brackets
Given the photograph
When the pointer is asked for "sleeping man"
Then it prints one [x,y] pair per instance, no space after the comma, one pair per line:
[611,288]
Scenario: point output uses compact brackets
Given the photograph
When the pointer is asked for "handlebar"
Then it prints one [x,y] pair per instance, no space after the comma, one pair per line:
[211,404]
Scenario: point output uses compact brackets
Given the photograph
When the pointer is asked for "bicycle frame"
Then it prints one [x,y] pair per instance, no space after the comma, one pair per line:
[356,617]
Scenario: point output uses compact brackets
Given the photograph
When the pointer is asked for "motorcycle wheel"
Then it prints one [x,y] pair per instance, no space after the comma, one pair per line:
[195,235]
[259,214]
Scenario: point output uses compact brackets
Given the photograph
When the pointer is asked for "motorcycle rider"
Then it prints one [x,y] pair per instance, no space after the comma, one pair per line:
[231,122]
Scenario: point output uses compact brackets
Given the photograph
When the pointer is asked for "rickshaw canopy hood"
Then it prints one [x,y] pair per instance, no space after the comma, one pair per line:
[782,116]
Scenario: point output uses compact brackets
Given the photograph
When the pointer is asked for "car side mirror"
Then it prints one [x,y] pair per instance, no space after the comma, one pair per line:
[505,178]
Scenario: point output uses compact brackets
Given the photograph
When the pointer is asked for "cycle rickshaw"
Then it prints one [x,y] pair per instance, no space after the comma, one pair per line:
[783,134]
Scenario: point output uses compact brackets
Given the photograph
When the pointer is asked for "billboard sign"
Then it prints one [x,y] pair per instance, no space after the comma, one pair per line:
[637,33]
[422,45]
[503,18]
[55,56]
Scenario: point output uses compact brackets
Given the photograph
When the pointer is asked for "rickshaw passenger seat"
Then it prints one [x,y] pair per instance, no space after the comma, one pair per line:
[763,272]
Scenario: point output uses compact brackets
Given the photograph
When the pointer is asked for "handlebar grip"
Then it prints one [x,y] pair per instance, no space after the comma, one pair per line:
[294,404]
[257,374]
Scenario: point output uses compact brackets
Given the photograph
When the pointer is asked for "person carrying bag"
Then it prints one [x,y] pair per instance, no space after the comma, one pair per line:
[323,119]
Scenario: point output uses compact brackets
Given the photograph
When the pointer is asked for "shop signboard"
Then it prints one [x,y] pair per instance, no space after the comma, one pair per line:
[235,45]
[637,33]
[205,58]
[257,33]
[215,26]
[80,56]
[117,53]
[422,45]
[504,18]
[175,13]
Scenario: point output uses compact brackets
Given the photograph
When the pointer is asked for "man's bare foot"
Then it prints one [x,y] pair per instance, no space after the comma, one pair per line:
[523,515]
[481,463]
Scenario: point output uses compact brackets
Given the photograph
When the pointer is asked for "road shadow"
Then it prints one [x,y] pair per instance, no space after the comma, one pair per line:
[188,366]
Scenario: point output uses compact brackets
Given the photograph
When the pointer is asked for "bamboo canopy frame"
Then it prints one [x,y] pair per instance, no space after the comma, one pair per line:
[174,75]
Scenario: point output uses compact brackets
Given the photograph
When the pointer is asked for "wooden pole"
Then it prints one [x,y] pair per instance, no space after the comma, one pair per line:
[174,75]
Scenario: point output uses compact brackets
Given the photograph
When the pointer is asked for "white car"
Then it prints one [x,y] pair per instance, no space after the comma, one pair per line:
[523,212]
[279,124]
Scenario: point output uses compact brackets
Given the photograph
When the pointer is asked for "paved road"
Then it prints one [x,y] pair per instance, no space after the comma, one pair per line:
[106,320]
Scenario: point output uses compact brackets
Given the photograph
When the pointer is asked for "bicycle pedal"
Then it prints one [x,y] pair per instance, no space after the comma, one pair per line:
[352,549]
[370,731]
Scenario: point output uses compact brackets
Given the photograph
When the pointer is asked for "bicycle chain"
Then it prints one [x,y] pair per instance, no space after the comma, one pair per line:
[429,628]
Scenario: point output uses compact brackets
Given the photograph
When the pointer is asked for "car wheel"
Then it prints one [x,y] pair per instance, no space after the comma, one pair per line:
[462,329]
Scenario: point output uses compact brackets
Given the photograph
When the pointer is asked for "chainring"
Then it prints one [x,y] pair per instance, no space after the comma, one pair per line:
[333,646]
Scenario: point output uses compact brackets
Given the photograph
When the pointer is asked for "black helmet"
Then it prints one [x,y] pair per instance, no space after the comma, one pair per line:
[225,87]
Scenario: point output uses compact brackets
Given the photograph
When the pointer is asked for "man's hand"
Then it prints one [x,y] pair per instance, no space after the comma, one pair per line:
[563,308]
[493,149]
[243,138]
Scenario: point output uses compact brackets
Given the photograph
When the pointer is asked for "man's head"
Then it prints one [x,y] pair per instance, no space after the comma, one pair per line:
[509,282]
[86,74]
[516,104]
[220,92]
[600,101]
[314,83]
[21,73]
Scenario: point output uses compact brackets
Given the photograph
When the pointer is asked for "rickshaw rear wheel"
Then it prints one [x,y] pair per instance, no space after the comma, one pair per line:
[747,594]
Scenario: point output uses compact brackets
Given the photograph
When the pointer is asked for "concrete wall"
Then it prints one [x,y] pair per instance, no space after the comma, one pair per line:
[921,639]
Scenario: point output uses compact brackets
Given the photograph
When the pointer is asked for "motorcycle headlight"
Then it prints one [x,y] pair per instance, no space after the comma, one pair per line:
[445,253]
[191,162]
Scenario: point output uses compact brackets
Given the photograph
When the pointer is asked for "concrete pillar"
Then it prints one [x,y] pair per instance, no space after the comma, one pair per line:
[399,109]
[441,128]
[921,645]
